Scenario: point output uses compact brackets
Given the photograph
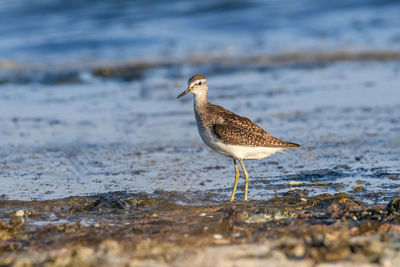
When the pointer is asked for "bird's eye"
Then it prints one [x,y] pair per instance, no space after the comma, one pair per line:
[199,83]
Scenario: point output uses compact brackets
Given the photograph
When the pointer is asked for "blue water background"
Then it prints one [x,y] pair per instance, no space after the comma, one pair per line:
[113,31]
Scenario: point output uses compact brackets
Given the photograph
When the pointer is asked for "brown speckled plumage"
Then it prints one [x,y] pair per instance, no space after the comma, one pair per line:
[236,130]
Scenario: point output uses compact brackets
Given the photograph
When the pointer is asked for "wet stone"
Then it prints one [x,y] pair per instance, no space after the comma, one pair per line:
[394,206]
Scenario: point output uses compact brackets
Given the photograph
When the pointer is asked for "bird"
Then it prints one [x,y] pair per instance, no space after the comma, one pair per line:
[229,134]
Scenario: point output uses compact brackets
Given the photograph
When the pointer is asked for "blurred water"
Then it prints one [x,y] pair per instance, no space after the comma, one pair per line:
[91,31]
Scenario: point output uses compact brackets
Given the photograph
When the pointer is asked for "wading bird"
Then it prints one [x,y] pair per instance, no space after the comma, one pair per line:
[229,134]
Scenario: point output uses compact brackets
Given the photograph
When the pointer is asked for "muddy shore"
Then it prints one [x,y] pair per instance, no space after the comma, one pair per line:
[141,230]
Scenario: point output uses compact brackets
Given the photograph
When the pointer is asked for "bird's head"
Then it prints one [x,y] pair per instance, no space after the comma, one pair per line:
[196,85]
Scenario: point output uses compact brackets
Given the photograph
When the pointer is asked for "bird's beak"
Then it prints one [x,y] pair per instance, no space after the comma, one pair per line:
[188,90]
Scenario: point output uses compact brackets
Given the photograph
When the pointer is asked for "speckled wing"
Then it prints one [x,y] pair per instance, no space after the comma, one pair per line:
[236,130]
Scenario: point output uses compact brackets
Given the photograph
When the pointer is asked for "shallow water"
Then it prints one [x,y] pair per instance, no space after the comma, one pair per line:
[102,135]
[85,32]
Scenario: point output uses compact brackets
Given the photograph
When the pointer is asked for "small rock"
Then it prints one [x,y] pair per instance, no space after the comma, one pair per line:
[235,235]
[19,213]
[358,189]
[217,236]
[393,206]
[298,251]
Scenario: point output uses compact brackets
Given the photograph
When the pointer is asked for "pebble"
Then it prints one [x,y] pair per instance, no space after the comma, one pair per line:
[19,213]
[217,236]
[235,235]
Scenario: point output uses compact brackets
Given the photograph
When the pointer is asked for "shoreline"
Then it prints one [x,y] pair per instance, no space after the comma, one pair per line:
[141,230]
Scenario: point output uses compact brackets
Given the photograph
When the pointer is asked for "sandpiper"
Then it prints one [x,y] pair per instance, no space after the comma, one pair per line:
[229,134]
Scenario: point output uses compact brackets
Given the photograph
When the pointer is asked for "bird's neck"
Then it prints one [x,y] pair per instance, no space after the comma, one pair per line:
[200,101]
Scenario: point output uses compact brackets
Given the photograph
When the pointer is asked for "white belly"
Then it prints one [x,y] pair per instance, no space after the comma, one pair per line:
[235,151]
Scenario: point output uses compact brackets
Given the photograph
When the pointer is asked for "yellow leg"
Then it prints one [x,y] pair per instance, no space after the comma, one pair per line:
[237,175]
[246,178]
